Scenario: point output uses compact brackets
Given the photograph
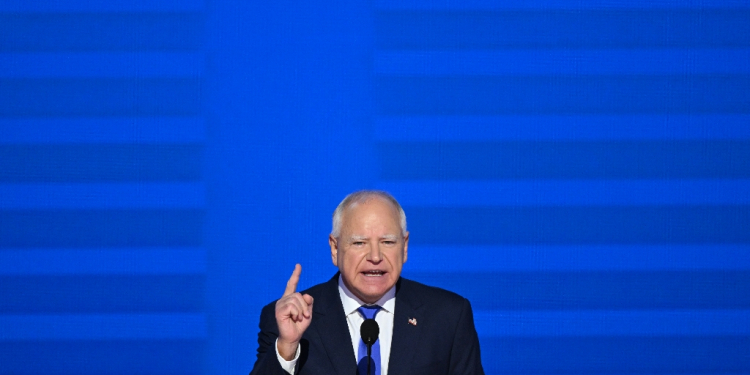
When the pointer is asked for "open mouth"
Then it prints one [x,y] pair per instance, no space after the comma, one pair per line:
[374,273]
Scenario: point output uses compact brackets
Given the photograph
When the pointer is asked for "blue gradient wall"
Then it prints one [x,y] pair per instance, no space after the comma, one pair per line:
[579,170]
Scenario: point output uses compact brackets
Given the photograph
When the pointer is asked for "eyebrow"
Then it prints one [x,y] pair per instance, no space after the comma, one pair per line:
[391,237]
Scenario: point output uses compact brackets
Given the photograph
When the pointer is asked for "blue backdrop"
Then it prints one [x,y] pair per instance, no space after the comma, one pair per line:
[580,170]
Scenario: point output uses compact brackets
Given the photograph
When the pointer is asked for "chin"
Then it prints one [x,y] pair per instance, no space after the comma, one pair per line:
[373,294]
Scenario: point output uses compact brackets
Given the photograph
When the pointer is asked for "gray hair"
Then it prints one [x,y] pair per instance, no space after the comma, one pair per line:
[363,196]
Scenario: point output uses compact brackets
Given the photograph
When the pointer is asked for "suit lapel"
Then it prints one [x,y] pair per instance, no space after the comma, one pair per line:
[332,328]
[406,336]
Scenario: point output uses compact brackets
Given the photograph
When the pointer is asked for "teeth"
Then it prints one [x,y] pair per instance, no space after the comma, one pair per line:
[373,273]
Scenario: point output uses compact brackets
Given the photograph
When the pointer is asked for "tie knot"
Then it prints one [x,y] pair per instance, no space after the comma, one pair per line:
[369,311]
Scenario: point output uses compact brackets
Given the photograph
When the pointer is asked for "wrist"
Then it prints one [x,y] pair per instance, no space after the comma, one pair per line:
[287,350]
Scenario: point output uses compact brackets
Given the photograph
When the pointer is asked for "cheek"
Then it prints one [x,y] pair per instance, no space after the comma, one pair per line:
[353,258]
[396,257]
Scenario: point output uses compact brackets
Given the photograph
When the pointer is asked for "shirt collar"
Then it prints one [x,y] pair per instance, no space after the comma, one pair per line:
[352,303]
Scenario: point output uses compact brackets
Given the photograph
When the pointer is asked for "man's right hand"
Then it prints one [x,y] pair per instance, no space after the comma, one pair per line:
[293,316]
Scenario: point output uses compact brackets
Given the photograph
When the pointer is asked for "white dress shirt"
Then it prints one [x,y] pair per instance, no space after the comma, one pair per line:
[354,319]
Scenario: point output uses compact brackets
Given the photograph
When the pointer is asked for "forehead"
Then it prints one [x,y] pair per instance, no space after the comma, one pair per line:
[372,210]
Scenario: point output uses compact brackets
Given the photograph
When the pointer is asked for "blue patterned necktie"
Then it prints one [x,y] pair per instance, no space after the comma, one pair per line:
[368,312]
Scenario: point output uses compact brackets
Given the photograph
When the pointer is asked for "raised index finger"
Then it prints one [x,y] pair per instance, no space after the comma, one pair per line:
[291,285]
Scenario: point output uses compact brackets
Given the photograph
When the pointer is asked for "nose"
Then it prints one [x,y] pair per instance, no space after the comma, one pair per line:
[374,254]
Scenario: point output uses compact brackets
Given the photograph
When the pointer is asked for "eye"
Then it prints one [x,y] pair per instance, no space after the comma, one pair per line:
[358,243]
[389,242]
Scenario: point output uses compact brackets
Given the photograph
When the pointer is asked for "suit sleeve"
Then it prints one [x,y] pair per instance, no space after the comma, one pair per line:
[267,362]
[465,357]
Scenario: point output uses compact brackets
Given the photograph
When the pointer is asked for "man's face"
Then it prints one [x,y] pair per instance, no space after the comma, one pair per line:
[370,250]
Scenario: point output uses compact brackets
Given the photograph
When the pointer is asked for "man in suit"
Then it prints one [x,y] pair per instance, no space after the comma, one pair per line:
[423,330]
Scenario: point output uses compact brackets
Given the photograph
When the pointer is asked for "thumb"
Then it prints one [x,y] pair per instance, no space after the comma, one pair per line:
[309,301]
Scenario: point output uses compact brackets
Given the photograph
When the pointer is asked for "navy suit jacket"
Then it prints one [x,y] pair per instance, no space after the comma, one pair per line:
[444,340]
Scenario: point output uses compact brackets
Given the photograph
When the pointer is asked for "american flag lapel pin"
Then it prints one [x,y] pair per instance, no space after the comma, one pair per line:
[413,321]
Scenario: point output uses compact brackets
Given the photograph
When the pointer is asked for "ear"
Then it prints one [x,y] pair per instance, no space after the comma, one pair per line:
[334,250]
[406,246]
